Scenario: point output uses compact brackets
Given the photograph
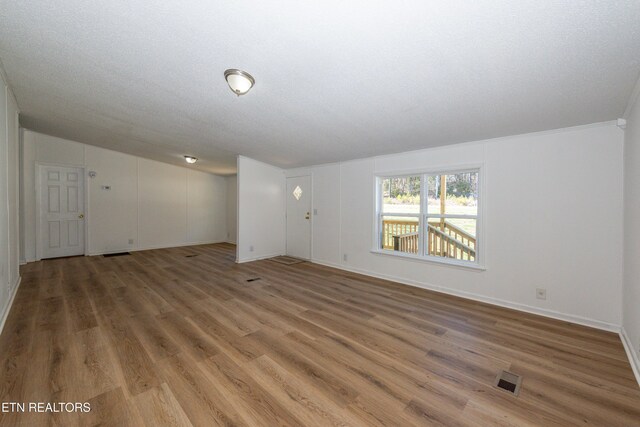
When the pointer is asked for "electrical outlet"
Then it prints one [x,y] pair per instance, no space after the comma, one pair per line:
[344,257]
[251,248]
[131,241]
[541,293]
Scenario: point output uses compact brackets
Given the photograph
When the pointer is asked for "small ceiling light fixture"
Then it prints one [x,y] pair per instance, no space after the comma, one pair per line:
[191,159]
[239,81]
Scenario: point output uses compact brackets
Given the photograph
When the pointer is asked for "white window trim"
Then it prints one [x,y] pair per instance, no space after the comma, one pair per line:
[479,263]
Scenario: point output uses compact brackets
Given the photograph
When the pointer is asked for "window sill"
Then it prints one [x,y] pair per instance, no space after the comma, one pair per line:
[431,260]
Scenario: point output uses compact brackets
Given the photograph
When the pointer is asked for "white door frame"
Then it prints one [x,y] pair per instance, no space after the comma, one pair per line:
[39,166]
[310,175]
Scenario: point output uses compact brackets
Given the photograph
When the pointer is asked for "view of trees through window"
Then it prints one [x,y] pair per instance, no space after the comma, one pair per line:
[461,197]
[401,194]
[450,214]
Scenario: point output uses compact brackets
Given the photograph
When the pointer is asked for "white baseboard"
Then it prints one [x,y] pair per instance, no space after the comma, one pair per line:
[7,308]
[631,353]
[598,324]
[258,258]
[148,248]
[143,248]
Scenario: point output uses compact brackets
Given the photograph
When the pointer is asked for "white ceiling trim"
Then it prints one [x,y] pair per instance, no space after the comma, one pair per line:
[635,94]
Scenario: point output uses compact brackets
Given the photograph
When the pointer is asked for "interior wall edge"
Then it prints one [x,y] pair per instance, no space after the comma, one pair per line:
[261,210]
[275,254]
[632,355]
[7,308]
[633,98]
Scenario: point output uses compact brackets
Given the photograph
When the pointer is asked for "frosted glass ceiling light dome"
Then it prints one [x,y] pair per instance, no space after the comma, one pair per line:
[191,159]
[239,81]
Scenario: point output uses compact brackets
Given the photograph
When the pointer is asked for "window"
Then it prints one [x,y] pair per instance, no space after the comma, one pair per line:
[400,213]
[430,215]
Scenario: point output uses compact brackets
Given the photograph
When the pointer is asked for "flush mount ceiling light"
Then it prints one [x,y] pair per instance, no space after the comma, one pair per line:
[191,159]
[239,81]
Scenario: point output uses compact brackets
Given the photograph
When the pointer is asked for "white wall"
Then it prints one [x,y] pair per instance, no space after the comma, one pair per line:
[232,209]
[151,203]
[164,206]
[9,226]
[631,309]
[261,208]
[206,207]
[552,213]
[113,214]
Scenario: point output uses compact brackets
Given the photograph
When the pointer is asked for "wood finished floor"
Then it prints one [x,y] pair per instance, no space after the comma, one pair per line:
[160,338]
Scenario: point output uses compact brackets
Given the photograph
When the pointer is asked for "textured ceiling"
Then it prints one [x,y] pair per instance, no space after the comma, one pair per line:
[335,80]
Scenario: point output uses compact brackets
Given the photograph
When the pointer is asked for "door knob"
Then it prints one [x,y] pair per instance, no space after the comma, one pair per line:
[307,216]
[81,216]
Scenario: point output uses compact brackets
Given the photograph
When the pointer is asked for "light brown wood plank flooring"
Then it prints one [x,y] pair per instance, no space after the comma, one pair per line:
[161,338]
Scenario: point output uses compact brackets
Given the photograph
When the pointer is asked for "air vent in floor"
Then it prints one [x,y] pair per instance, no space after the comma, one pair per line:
[509,382]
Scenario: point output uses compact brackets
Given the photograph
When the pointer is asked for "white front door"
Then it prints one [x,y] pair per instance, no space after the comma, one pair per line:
[61,211]
[299,217]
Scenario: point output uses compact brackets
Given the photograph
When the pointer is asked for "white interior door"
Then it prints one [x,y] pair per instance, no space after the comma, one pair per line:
[61,211]
[299,217]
